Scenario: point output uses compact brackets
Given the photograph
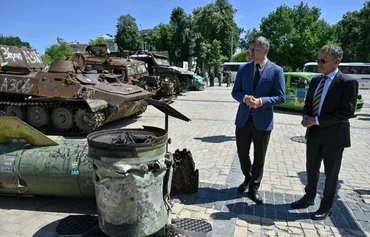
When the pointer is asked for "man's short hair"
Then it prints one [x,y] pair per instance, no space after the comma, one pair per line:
[263,41]
[334,50]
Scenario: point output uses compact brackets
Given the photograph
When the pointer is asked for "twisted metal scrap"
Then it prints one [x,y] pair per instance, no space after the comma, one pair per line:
[129,138]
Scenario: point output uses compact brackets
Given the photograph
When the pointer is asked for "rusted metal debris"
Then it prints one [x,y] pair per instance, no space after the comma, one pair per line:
[62,99]
[130,138]
[124,69]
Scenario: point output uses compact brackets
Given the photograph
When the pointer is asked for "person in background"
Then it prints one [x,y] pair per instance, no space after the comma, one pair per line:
[259,85]
[228,77]
[330,103]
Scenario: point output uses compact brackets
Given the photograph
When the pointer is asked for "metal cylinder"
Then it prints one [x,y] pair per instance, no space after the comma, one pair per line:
[60,170]
[131,180]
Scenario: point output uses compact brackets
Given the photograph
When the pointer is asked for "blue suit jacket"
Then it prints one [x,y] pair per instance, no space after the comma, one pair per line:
[271,89]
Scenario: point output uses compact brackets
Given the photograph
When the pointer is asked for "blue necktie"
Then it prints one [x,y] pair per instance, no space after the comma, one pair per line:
[257,76]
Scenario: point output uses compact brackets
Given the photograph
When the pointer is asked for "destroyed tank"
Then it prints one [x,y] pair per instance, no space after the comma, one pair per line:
[117,67]
[62,100]
[159,65]
[98,59]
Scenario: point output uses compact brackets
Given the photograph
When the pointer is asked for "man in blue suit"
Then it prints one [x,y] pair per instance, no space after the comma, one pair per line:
[259,85]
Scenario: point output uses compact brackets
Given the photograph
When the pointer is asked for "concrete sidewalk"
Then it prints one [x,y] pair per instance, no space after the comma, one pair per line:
[210,138]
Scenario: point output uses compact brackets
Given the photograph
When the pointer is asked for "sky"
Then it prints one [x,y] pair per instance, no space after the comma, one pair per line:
[40,22]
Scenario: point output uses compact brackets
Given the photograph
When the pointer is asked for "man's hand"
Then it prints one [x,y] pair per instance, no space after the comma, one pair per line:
[252,102]
[308,121]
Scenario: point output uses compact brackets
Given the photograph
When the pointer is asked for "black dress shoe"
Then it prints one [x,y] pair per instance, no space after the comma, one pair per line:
[321,214]
[255,197]
[243,186]
[304,202]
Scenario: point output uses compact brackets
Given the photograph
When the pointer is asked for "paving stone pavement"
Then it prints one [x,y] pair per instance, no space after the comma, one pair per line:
[210,138]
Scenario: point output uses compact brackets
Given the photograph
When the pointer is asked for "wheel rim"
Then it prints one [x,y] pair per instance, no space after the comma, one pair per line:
[85,120]
[14,111]
[62,118]
[38,116]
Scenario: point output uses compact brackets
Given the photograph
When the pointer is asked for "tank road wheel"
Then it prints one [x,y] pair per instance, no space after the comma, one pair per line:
[13,110]
[62,118]
[38,116]
[85,120]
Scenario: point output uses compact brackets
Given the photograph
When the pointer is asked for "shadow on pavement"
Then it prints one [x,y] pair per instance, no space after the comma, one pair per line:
[287,111]
[216,139]
[276,207]
[49,204]
[48,230]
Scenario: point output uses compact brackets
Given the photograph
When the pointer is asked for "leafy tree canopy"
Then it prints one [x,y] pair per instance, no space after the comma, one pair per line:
[181,35]
[99,40]
[353,33]
[13,41]
[296,34]
[160,37]
[56,52]
[127,36]
[240,57]
[215,21]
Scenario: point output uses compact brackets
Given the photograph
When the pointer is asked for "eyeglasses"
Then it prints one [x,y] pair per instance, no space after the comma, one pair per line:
[322,61]
[254,49]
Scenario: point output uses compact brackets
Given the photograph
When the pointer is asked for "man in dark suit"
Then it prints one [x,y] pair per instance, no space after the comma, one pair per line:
[330,102]
[259,85]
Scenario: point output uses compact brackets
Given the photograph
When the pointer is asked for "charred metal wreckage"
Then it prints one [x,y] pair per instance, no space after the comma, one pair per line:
[129,171]
[114,67]
[62,99]
[159,65]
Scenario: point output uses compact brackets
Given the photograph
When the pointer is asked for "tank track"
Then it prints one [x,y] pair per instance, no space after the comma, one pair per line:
[79,127]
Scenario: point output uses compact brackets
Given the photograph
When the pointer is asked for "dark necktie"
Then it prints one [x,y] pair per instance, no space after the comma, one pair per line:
[257,76]
[317,97]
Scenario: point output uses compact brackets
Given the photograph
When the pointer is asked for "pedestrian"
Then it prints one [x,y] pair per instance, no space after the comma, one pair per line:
[211,78]
[219,77]
[330,102]
[259,85]
[206,78]
[228,78]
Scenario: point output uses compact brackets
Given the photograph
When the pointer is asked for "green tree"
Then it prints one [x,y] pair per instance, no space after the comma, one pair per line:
[215,57]
[181,35]
[296,34]
[203,52]
[127,35]
[353,32]
[99,40]
[57,52]
[240,57]
[250,35]
[13,41]
[215,21]
[160,37]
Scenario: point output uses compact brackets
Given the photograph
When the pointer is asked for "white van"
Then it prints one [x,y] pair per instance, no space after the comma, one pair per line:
[360,71]
[233,67]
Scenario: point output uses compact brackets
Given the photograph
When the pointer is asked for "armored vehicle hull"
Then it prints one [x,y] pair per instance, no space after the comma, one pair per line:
[115,68]
[159,65]
[62,100]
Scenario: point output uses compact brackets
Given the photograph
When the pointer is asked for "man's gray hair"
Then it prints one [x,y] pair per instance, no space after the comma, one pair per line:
[334,50]
[263,41]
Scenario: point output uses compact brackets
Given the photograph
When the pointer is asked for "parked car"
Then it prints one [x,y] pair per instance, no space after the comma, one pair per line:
[296,84]
[197,83]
